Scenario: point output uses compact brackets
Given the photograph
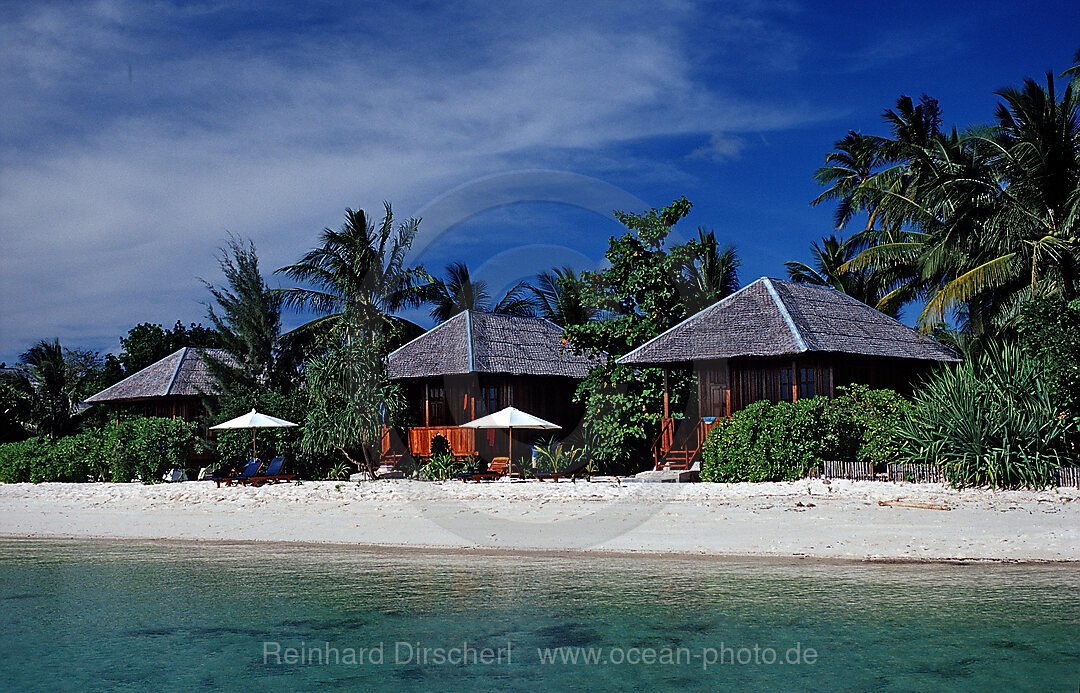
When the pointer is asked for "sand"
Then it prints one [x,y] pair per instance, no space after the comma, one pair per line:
[859,520]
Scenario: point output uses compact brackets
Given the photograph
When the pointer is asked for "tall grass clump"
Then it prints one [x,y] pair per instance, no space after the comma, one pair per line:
[990,421]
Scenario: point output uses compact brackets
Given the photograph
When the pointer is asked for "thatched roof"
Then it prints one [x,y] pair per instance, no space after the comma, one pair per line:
[181,373]
[472,342]
[771,317]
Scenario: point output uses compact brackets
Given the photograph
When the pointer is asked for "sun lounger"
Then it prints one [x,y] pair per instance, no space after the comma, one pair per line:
[577,469]
[496,470]
[272,475]
[250,470]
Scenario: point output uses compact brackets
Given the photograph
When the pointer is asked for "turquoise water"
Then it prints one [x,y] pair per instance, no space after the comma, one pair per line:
[119,615]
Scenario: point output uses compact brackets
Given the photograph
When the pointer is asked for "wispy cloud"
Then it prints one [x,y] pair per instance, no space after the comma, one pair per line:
[136,135]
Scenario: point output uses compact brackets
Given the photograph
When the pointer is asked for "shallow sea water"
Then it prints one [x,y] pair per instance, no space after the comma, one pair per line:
[164,616]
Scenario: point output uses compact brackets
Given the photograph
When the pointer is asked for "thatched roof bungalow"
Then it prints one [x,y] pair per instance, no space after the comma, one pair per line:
[171,387]
[781,341]
[478,363]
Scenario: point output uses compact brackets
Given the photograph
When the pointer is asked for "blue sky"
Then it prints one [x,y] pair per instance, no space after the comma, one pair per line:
[135,135]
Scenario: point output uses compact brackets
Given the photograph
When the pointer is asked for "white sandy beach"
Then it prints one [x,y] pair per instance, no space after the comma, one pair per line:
[839,520]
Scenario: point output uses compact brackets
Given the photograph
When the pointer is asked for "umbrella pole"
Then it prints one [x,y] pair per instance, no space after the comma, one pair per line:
[510,462]
[252,444]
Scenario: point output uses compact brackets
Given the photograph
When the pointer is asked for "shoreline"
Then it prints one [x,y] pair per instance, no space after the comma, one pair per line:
[398,550]
[841,521]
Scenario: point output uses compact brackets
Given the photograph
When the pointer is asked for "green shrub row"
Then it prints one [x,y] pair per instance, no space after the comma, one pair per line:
[142,448]
[782,442]
[993,420]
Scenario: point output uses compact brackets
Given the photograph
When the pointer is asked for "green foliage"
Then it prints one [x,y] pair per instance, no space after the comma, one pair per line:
[459,292]
[42,395]
[769,442]
[1049,330]
[990,421]
[247,318]
[351,397]
[443,466]
[143,448]
[360,279]
[555,456]
[19,459]
[782,442]
[439,445]
[646,289]
[147,343]
[146,447]
[873,419]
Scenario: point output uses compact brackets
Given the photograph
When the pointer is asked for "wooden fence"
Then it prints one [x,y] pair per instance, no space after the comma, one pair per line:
[917,473]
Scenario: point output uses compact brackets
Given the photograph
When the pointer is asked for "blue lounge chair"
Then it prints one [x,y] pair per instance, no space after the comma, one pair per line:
[272,475]
[250,470]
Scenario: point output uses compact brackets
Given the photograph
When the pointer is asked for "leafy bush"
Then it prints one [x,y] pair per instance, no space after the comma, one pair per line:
[81,457]
[18,460]
[439,445]
[443,466]
[555,456]
[874,417]
[1049,330]
[782,442]
[990,421]
[767,442]
[145,448]
[138,448]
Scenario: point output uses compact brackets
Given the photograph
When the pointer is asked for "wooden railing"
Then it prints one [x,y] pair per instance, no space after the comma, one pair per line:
[462,440]
[678,451]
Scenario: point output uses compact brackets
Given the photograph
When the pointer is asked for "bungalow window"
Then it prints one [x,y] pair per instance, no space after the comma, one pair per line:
[786,391]
[491,399]
[437,414]
[807,382]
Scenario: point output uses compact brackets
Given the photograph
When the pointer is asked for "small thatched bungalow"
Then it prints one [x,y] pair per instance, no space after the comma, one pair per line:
[478,363]
[781,341]
[169,388]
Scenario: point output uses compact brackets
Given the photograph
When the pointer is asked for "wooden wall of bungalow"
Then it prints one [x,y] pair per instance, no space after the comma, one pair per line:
[728,385]
[438,406]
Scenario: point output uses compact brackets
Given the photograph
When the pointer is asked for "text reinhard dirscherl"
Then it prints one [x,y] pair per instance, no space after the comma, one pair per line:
[469,654]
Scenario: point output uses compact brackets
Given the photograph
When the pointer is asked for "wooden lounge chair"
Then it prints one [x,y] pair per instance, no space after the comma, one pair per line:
[272,475]
[577,469]
[496,470]
[250,470]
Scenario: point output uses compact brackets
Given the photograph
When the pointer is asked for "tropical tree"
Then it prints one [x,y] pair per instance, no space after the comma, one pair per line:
[847,175]
[247,320]
[359,278]
[976,223]
[351,398]
[148,343]
[829,267]
[559,296]
[711,272]
[44,393]
[642,292]
[459,292]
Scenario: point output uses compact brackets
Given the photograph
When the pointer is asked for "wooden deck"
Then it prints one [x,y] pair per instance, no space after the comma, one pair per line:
[462,440]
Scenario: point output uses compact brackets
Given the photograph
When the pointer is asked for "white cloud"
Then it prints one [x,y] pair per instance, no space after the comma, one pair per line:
[135,136]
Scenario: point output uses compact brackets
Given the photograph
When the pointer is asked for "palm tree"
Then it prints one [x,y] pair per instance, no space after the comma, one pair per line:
[559,296]
[360,278]
[830,268]
[46,393]
[459,292]
[848,173]
[711,274]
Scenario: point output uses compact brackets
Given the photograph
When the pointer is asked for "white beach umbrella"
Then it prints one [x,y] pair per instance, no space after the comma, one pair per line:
[253,420]
[511,418]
